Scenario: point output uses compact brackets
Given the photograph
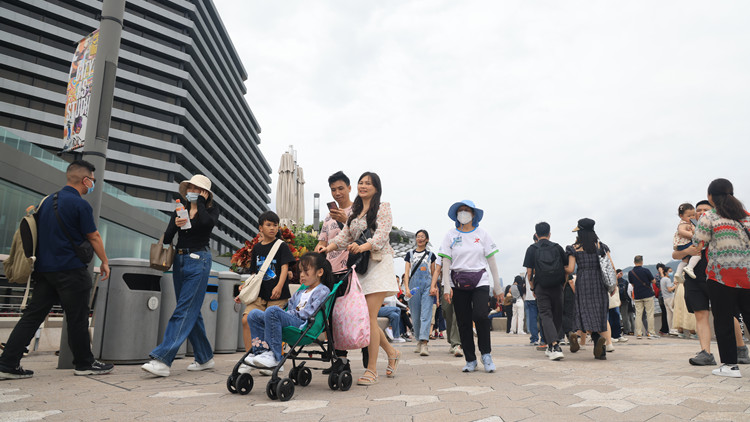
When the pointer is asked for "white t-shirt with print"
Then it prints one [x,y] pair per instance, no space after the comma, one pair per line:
[469,251]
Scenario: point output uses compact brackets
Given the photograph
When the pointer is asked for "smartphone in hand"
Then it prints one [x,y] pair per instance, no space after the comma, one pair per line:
[332,206]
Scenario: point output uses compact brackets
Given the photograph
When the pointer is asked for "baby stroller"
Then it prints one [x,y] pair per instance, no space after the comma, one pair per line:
[283,388]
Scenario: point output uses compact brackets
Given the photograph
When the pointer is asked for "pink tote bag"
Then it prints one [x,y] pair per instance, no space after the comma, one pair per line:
[351,319]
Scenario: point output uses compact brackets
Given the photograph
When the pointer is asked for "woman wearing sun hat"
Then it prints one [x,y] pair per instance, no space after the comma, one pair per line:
[191,267]
[466,251]
[592,298]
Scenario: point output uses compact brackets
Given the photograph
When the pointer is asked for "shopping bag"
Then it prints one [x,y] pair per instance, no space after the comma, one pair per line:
[351,318]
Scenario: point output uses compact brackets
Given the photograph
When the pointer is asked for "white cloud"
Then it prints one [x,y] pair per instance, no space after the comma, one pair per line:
[536,111]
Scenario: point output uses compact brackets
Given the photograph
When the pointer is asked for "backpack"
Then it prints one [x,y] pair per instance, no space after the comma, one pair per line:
[549,270]
[20,263]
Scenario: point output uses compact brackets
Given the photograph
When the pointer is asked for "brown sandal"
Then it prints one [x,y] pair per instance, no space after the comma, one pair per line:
[369,378]
[390,371]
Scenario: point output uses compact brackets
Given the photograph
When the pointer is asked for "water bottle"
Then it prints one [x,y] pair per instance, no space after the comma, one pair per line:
[414,291]
[183,213]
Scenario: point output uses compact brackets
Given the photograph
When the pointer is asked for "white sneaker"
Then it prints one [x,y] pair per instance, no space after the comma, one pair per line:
[269,372]
[398,340]
[244,369]
[689,271]
[726,370]
[156,367]
[195,366]
[389,334]
[249,359]
[610,348]
[622,339]
[266,360]
[425,351]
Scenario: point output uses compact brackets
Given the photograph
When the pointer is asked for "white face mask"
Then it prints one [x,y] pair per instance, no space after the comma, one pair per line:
[464,217]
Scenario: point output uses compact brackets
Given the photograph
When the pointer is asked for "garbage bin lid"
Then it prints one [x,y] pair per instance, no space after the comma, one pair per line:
[213,273]
[229,275]
[131,262]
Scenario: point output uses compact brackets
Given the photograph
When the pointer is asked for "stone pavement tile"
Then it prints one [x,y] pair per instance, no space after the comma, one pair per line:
[722,416]
[634,414]
[99,413]
[511,414]
[705,406]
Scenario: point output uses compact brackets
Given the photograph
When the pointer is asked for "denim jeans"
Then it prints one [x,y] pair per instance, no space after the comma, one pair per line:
[266,328]
[393,313]
[420,305]
[190,278]
[614,322]
[532,311]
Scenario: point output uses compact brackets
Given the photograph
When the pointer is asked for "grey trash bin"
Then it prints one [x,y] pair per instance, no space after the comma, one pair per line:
[208,311]
[168,305]
[126,319]
[227,316]
[240,337]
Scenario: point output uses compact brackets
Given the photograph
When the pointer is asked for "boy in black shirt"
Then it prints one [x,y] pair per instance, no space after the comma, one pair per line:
[273,289]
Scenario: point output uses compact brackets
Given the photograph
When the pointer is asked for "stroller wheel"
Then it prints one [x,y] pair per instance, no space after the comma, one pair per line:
[244,384]
[333,381]
[230,384]
[285,389]
[294,374]
[271,389]
[304,376]
[345,381]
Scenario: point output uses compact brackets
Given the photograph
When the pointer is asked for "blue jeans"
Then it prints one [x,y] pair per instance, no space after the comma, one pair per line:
[614,322]
[393,313]
[420,305]
[190,278]
[266,328]
[532,312]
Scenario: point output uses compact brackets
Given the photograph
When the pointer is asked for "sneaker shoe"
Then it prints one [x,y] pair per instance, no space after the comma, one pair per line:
[727,371]
[195,366]
[405,337]
[458,353]
[742,355]
[673,332]
[638,337]
[249,359]
[398,340]
[244,369]
[337,366]
[489,366]
[652,337]
[269,372]
[694,336]
[556,353]
[441,335]
[156,367]
[610,348]
[574,346]
[418,349]
[389,334]
[702,358]
[689,272]
[265,360]
[542,347]
[548,350]
[17,373]
[470,366]
[622,339]
[95,368]
[424,351]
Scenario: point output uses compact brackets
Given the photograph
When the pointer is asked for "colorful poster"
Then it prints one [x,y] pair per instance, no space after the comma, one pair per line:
[80,83]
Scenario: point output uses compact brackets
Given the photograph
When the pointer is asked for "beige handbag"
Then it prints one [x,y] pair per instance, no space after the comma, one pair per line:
[251,287]
[161,258]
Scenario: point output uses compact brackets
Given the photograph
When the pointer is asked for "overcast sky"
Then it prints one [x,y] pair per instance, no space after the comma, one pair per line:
[536,111]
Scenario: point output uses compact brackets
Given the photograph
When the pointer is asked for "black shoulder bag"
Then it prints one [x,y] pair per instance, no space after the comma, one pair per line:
[84,251]
[362,259]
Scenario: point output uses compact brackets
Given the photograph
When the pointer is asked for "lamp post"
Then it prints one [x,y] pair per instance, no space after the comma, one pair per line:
[316,211]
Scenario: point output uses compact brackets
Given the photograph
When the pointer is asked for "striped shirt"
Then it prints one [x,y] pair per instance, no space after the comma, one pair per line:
[728,249]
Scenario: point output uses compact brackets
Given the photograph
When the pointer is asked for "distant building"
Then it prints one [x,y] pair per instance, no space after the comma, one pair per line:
[179,109]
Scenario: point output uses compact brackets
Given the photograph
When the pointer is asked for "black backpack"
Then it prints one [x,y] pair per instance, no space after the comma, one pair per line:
[549,270]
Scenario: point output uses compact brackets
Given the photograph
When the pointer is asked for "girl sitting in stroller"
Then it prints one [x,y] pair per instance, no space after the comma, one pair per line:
[266,326]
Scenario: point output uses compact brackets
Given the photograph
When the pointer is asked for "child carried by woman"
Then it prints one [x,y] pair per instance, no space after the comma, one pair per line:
[683,239]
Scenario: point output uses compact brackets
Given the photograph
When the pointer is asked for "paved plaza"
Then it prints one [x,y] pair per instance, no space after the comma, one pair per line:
[643,380]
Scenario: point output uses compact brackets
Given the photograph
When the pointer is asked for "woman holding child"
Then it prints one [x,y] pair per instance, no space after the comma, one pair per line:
[368,213]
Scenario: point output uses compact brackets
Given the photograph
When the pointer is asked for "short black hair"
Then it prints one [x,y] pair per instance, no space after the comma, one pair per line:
[268,216]
[703,202]
[542,229]
[75,165]
[339,175]
[427,235]
[618,271]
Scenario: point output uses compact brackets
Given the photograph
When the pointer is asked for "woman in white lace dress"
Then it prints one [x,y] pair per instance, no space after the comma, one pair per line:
[378,282]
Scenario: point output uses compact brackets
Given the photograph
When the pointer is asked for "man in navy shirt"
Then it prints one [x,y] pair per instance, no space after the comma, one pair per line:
[60,276]
[642,280]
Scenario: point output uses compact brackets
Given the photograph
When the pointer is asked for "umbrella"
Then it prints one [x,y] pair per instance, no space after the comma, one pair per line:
[300,196]
[286,206]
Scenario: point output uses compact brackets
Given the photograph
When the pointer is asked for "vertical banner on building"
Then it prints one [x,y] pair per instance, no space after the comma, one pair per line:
[80,83]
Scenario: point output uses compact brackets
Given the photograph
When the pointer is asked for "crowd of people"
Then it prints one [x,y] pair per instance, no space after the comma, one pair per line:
[566,295]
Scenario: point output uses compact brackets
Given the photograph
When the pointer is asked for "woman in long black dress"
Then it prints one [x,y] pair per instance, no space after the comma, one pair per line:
[591,297]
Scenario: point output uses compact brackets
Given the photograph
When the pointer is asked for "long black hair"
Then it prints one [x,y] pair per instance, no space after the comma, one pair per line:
[317,261]
[727,206]
[587,239]
[372,212]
